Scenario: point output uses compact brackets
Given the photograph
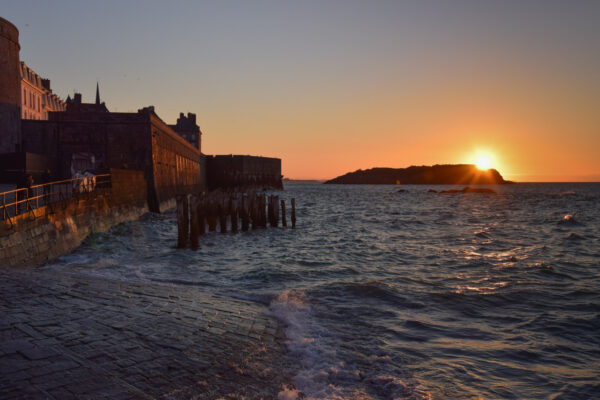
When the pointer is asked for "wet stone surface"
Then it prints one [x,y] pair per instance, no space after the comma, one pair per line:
[72,336]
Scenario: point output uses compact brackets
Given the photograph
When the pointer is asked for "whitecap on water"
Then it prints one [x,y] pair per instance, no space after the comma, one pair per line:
[322,373]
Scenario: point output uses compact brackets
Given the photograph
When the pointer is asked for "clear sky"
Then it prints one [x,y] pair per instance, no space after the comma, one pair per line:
[334,86]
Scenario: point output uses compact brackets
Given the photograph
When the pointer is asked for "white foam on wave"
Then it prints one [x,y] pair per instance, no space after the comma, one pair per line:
[305,342]
[322,375]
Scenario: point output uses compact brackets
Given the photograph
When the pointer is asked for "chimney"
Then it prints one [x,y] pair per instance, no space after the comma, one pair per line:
[77,98]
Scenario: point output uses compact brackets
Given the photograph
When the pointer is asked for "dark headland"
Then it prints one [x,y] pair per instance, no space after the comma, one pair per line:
[448,174]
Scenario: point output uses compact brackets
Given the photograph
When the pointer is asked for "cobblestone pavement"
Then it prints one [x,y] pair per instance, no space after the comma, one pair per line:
[72,336]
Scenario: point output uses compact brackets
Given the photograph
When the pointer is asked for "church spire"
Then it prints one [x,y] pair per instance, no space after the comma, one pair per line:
[97,94]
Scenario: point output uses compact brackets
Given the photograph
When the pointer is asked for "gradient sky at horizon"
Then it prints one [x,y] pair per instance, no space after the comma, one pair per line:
[334,86]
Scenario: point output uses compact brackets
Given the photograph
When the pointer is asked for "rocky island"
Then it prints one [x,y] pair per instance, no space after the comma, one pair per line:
[447,174]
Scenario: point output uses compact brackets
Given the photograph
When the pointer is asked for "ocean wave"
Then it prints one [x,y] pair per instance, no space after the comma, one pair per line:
[364,291]
[182,282]
[575,236]
[325,372]
[565,193]
[482,234]
[391,387]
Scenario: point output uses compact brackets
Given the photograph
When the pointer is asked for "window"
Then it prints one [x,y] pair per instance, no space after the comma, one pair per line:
[24,97]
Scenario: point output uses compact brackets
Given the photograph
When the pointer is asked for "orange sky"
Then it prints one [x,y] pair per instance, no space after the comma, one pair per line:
[331,87]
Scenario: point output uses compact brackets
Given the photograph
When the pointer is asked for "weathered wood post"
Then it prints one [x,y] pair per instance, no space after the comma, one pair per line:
[201,216]
[194,228]
[271,210]
[283,221]
[183,222]
[223,214]
[244,212]
[233,212]
[263,203]
[252,209]
[275,211]
[293,213]
[212,214]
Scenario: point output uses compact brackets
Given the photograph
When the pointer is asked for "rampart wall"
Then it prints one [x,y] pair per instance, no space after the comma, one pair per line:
[55,230]
[175,166]
[237,171]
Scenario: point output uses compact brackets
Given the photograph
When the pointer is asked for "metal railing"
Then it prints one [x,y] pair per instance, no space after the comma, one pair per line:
[25,200]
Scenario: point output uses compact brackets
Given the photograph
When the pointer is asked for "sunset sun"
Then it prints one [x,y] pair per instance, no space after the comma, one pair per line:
[484,161]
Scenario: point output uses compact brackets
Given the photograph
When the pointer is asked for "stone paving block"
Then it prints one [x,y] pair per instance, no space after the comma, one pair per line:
[37,353]
[62,394]
[48,382]
[14,346]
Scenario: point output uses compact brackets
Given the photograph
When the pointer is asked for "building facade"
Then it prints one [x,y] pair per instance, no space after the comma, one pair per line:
[37,98]
[187,128]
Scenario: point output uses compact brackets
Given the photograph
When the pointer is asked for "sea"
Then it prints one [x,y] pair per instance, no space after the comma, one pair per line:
[391,294]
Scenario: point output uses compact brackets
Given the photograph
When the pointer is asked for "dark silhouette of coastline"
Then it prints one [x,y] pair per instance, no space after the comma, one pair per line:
[447,174]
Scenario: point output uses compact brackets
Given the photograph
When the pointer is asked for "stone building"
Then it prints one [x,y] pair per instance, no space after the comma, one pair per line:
[60,135]
[187,129]
[140,141]
[10,88]
[37,98]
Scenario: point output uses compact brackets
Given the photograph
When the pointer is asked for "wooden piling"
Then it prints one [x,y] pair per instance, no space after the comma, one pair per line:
[201,207]
[244,213]
[223,215]
[254,211]
[275,211]
[293,213]
[263,202]
[271,210]
[251,213]
[183,222]
[233,212]
[283,221]
[212,215]
[194,228]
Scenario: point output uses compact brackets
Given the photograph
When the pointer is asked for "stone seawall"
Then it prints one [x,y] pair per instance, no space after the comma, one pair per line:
[51,231]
